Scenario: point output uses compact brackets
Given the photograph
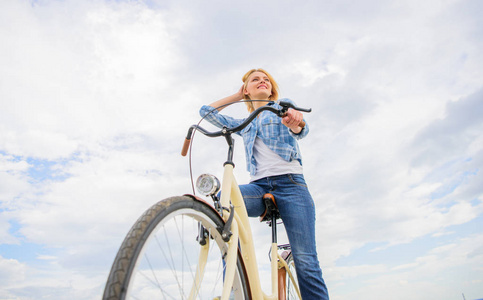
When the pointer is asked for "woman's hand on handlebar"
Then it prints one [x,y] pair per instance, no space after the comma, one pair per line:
[292,119]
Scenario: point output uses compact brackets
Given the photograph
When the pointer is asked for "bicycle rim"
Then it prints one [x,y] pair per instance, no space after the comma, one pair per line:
[291,290]
[159,258]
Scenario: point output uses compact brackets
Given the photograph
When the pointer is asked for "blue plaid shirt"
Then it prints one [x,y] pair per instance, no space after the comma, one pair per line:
[267,127]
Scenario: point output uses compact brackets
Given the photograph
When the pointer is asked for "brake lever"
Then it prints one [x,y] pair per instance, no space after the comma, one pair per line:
[286,105]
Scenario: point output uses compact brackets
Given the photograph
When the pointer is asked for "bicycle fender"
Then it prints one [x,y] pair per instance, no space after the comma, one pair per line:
[194,197]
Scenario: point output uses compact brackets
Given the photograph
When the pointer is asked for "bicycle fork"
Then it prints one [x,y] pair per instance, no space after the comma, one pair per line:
[229,262]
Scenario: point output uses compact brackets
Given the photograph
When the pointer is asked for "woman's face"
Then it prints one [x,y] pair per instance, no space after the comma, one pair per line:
[258,87]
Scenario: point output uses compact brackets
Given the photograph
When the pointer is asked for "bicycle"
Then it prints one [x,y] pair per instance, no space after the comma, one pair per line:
[202,251]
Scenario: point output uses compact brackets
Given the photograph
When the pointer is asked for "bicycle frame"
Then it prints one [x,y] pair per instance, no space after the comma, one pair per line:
[242,232]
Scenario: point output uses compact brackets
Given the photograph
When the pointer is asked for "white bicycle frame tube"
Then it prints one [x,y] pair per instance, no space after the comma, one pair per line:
[231,192]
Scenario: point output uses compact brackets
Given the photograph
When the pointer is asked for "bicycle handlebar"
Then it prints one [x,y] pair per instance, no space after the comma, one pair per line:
[228,131]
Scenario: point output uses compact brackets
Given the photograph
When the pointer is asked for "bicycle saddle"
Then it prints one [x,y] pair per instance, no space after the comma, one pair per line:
[271,208]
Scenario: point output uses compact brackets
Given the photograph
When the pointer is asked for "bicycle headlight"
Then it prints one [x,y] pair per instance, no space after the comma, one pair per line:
[207,184]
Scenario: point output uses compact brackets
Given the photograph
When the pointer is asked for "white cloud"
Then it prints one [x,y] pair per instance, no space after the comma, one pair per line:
[434,272]
[85,76]
[11,271]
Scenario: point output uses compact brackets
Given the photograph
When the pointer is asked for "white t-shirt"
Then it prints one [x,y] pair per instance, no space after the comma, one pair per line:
[270,163]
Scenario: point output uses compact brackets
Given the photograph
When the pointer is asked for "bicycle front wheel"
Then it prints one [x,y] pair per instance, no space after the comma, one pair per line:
[174,251]
[291,287]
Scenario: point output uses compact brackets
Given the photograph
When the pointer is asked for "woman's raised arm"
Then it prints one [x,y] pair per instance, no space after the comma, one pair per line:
[232,98]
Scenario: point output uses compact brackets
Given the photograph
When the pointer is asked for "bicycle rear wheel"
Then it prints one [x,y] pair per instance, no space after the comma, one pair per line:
[291,290]
[159,258]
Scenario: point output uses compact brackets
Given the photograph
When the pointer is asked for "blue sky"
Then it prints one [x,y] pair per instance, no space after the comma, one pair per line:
[96,97]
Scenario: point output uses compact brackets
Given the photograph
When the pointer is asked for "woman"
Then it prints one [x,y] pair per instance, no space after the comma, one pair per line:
[275,166]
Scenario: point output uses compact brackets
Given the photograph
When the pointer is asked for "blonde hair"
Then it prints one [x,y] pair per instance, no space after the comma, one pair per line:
[275,89]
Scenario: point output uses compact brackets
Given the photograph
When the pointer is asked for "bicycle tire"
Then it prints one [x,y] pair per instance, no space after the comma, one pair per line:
[291,293]
[171,223]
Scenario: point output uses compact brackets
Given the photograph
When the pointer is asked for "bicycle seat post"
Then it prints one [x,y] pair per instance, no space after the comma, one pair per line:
[271,214]
[274,229]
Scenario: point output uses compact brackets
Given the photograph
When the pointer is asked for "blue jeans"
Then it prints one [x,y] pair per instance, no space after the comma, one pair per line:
[298,214]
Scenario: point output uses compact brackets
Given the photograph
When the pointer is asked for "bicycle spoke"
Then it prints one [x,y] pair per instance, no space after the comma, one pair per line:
[171,266]
[183,250]
[156,281]
[172,262]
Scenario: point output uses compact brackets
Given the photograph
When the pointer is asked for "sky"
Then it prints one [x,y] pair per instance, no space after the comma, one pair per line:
[96,97]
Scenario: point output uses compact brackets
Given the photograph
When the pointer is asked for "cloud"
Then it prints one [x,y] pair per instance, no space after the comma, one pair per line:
[453,135]
[11,271]
[440,265]
[370,183]
[64,88]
